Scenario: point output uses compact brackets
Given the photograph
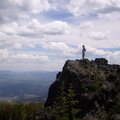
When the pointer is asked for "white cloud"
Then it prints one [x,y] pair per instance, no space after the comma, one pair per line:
[86,25]
[22,57]
[11,42]
[2,36]
[95,31]
[9,28]
[60,47]
[11,10]
[17,45]
[98,35]
[112,57]
[98,52]
[55,27]
[85,7]
[35,6]
[4,54]
[35,31]
[35,28]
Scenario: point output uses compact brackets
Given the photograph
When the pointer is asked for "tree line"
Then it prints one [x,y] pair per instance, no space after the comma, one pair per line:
[19,111]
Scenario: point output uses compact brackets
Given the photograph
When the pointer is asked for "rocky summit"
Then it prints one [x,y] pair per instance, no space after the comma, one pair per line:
[97,88]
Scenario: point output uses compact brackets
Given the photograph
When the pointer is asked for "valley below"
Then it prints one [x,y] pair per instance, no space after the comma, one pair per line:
[25,86]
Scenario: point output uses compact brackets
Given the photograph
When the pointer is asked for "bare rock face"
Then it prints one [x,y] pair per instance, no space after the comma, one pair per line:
[96,84]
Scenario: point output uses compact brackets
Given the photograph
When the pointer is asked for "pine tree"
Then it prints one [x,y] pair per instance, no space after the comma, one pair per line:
[60,105]
[72,103]
[65,105]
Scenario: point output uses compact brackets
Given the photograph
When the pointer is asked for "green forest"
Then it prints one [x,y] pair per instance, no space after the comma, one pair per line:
[19,111]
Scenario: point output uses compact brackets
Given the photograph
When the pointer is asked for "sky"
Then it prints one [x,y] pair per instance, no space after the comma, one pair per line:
[43,34]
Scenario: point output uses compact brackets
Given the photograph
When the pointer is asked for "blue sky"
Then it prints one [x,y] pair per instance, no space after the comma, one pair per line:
[43,34]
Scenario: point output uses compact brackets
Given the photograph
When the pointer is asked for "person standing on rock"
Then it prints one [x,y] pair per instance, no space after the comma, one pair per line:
[83,52]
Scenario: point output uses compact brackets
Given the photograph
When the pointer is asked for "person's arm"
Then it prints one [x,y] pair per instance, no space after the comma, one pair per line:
[84,49]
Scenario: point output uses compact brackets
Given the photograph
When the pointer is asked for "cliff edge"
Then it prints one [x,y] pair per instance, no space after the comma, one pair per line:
[84,90]
[97,87]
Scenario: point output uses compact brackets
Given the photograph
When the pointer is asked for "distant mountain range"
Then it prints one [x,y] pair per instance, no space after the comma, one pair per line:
[25,86]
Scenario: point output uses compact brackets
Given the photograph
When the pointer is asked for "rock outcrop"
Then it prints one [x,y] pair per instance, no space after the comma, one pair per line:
[97,87]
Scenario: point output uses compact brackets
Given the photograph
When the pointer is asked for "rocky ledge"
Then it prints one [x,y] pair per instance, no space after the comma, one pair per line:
[97,87]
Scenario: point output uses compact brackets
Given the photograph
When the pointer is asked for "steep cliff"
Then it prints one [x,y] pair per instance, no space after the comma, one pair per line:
[97,87]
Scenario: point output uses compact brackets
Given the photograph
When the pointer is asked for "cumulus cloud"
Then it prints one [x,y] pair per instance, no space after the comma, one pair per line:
[95,51]
[38,30]
[29,57]
[58,4]
[112,56]
[85,7]
[93,31]
[21,57]
[35,28]
[4,54]
[86,25]
[11,10]
[98,35]
[55,27]
[34,6]
[9,28]
[60,47]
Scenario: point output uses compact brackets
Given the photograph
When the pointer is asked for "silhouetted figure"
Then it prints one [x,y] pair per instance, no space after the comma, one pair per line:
[83,52]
